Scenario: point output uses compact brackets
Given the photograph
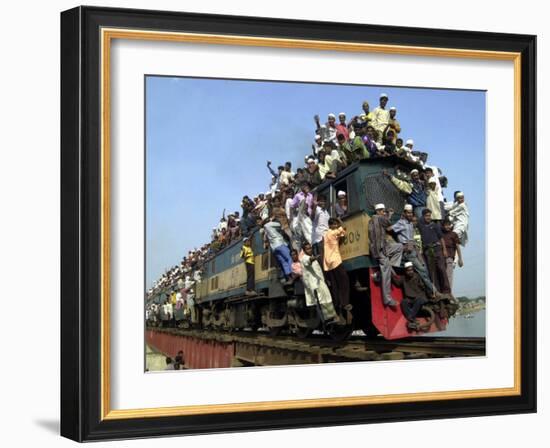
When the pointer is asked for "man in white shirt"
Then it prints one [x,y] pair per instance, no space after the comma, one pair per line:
[320,217]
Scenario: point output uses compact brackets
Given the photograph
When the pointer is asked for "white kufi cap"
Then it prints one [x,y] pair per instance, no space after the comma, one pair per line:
[341,194]
[379,206]
[408,207]
[409,142]
[408,264]
[383,95]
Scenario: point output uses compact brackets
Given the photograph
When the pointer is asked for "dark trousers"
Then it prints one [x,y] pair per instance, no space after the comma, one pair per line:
[250,280]
[437,268]
[319,249]
[411,307]
[339,286]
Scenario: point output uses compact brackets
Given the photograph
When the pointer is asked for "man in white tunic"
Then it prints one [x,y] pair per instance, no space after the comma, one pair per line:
[459,216]
[314,283]
[381,116]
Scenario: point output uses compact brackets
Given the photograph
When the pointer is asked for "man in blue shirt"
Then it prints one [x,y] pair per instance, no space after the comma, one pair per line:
[435,251]
[404,230]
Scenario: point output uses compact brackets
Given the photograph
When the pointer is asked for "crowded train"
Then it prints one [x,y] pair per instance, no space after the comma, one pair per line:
[361,237]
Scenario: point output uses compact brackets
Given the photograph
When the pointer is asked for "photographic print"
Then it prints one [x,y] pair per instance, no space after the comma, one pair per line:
[324,208]
[304,223]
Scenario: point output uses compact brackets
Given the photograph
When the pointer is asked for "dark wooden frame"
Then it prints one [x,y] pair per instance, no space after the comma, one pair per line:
[81,213]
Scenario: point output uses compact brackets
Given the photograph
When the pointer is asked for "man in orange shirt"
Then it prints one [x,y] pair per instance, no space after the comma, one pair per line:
[332,264]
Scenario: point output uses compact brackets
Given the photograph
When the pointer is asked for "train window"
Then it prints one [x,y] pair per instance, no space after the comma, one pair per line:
[341,204]
[213,266]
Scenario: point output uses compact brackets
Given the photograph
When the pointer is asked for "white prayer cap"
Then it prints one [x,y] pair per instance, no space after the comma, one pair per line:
[414,171]
[342,113]
[379,206]
[317,137]
[310,160]
[431,180]
[408,264]
[393,108]
[383,95]
[341,194]
[459,194]
[409,142]
[408,207]
[331,116]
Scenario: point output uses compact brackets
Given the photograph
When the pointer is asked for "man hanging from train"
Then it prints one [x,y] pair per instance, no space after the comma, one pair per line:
[248,256]
[303,202]
[435,251]
[320,217]
[315,288]
[385,250]
[333,266]
[415,190]
[458,214]
[404,230]
[273,238]
[416,294]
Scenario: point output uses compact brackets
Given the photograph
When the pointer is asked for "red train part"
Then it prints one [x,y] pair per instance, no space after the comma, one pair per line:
[390,322]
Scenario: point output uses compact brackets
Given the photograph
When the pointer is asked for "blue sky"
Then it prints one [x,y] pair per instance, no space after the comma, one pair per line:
[207,141]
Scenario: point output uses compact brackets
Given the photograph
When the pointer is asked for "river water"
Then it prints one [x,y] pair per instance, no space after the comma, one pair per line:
[461,326]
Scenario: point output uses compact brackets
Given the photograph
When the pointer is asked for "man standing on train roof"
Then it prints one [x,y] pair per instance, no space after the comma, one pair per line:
[435,251]
[342,127]
[415,190]
[385,250]
[248,256]
[393,123]
[366,116]
[404,230]
[459,216]
[277,174]
[381,116]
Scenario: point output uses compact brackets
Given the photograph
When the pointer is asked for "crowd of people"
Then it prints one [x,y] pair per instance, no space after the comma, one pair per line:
[304,238]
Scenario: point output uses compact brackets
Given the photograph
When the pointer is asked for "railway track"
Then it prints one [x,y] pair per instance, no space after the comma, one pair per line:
[262,349]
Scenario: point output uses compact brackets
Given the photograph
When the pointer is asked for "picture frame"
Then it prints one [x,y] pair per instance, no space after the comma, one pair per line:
[86,36]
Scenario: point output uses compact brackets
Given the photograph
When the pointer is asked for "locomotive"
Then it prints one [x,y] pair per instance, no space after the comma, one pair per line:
[221,303]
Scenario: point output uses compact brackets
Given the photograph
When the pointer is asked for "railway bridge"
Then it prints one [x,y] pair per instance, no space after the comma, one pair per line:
[216,349]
